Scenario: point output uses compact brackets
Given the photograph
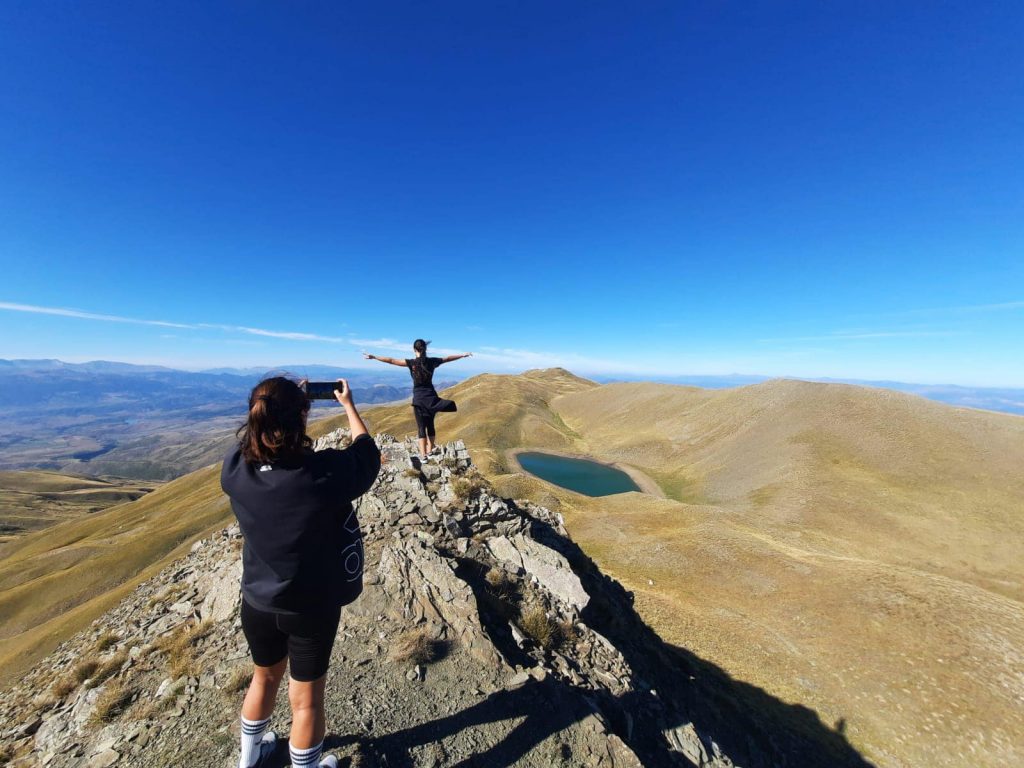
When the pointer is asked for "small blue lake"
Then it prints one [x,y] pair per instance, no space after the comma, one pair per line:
[581,475]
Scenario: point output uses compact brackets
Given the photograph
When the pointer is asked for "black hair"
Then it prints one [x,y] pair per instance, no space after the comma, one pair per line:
[275,427]
[421,375]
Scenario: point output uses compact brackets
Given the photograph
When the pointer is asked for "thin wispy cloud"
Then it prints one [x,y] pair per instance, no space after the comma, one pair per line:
[83,315]
[389,344]
[289,335]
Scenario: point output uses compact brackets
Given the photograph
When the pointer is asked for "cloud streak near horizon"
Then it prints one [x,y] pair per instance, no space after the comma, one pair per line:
[507,358]
[83,315]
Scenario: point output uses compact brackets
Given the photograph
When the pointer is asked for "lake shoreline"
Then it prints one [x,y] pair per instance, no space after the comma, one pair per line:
[643,481]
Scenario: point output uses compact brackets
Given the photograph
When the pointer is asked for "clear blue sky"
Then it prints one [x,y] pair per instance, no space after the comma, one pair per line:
[814,189]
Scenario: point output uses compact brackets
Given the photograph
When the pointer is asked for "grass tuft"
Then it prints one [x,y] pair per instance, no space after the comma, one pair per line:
[84,670]
[418,646]
[107,669]
[63,687]
[469,487]
[111,704]
[106,641]
[541,628]
[181,648]
[238,680]
[500,582]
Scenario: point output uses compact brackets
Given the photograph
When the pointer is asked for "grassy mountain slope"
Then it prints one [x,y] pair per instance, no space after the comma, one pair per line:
[496,414]
[856,550]
[31,499]
[54,582]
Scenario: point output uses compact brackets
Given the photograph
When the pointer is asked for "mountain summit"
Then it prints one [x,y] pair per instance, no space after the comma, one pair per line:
[483,637]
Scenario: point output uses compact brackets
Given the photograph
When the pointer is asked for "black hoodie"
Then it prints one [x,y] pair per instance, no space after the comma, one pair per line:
[303,548]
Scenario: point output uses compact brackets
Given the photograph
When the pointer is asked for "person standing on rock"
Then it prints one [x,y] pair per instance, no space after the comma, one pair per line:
[426,403]
[302,558]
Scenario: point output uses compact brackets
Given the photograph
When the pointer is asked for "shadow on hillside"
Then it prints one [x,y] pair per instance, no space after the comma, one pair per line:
[752,727]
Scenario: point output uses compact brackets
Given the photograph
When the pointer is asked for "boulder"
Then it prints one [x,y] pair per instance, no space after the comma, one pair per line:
[424,587]
[548,567]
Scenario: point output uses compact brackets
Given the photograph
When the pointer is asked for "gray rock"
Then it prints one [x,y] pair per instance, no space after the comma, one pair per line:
[224,594]
[546,565]
[685,740]
[518,680]
[104,759]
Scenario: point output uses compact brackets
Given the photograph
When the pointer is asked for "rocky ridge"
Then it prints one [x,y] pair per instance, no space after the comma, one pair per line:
[481,638]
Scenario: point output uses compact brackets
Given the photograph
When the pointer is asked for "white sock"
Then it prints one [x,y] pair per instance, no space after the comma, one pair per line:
[252,734]
[306,758]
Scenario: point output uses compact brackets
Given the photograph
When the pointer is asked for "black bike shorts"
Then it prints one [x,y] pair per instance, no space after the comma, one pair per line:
[424,422]
[305,639]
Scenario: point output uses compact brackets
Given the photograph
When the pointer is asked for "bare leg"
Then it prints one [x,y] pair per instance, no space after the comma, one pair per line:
[423,446]
[308,722]
[430,443]
[262,693]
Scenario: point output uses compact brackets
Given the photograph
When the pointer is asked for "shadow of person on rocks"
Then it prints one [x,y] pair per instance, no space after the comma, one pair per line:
[749,725]
[546,707]
[673,690]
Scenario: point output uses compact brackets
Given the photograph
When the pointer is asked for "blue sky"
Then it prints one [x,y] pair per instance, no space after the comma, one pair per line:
[811,189]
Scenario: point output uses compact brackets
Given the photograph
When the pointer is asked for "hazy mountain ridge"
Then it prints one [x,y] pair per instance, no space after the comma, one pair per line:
[142,422]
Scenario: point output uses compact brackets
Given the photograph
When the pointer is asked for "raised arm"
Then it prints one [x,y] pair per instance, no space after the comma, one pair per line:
[391,360]
[453,358]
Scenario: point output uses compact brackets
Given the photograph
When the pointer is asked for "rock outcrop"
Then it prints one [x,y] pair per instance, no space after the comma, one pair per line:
[478,640]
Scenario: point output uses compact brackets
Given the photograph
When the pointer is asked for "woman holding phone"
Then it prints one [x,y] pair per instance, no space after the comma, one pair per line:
[426,403]
[302,558]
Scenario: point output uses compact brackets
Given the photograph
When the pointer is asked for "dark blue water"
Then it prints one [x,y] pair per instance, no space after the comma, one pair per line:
[580,475]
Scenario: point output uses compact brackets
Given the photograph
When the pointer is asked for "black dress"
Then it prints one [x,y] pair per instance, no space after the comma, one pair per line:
[425,400]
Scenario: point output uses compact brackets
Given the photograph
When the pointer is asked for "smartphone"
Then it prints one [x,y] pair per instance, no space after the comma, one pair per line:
[321,390]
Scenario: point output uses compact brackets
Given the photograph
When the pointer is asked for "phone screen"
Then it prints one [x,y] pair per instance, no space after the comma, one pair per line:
[321,390]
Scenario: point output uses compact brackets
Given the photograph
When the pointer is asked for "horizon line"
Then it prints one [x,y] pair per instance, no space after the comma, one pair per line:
[621,375]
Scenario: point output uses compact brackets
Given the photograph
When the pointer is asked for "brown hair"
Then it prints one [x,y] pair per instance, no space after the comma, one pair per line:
[275,428]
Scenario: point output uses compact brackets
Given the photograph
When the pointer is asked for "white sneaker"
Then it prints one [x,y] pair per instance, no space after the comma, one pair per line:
[329,762]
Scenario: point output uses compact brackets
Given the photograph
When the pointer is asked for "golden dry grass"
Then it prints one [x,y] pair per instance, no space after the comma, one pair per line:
[540,627]
[180,648]
[31,500]
[106,669]
[55,582]
[238,680]
[111,704]
[856,550]
[417,646]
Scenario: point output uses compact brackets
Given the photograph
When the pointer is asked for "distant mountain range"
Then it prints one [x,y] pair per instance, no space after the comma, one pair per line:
[151,422]
[142,421]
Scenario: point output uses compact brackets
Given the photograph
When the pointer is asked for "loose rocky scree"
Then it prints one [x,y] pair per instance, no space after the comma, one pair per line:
[467,647]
